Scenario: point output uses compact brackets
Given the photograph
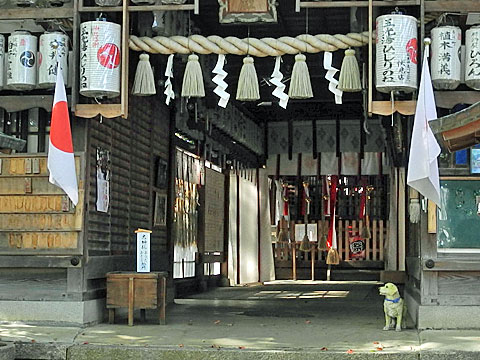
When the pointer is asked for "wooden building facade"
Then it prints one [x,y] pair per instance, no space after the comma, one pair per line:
[180,170]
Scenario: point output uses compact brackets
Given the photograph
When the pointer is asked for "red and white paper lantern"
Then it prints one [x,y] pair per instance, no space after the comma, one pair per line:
[21,61]
[446,57]
[472,58]
[100,59]
[2,59]
[396,58]
[53,47]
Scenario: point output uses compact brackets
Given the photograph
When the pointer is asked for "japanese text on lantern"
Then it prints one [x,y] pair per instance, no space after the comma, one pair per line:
[447,42]
[474,55]
[84,35]
[388,41]
[12,51]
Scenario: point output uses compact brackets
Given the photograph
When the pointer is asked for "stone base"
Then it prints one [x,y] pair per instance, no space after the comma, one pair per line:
[7,351]
[54,312]
[443,317]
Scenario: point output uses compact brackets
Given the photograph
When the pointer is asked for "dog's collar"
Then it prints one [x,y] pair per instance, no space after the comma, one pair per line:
[394,300]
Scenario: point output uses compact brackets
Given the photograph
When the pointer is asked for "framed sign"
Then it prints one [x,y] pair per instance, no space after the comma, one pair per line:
[247,11]
[160,213]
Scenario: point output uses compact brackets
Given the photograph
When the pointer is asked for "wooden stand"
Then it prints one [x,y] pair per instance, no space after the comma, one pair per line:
[134,290]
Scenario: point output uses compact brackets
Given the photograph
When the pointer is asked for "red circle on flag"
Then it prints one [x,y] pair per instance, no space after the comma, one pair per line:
[412,50]
[60,133]
[109,56]
[40,58]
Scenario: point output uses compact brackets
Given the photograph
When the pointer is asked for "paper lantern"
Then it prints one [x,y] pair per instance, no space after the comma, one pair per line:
[472,58]
[100,59]
[396,58]
[21,61]
[446,62]
[53,47]
[2,59]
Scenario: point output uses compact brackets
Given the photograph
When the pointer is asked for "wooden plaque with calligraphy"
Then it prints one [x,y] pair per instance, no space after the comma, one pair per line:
[247,11]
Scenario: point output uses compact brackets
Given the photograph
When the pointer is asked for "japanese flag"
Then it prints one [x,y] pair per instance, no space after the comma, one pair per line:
[61,162]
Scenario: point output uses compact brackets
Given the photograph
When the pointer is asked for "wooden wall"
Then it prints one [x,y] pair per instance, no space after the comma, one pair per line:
[134,144]
[37,217]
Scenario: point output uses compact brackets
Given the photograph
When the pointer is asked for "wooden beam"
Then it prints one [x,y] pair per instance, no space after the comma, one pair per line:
[89,111]
[453,265]
[339,4]
[185,7]
[448,99]
[36,261]
[432,218]
[463,6]
[125,53]
[19,103]
[36,13]
[370,57]
[384,108]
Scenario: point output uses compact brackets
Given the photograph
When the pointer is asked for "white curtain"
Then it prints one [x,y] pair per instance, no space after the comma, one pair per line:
[267,266]
[247,265]
[232,231]
[248,231]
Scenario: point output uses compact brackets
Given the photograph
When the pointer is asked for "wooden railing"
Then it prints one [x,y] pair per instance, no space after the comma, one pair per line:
[374,250]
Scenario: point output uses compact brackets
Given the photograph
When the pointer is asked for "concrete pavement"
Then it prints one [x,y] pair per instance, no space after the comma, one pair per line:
[282,320]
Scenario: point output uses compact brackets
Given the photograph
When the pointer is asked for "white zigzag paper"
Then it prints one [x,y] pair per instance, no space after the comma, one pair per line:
[219,80]
[276,79]
[168,83]
[330,76]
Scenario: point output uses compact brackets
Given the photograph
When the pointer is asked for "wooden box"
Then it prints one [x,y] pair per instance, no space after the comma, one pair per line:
[134,290]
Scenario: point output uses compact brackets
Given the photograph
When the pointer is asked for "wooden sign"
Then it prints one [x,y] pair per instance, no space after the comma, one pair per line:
[214,211]
[247,11]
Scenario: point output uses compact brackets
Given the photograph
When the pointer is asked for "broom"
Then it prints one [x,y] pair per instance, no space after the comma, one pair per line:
[305,244]
[333,258]
[322,242]
[366,234]
[283,236]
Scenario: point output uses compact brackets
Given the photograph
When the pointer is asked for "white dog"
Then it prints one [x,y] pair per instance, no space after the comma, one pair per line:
[393,306]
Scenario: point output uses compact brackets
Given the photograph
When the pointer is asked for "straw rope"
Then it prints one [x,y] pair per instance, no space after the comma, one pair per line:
[255,47]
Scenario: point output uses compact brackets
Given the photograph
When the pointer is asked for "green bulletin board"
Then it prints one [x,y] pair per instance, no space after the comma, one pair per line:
[458,224]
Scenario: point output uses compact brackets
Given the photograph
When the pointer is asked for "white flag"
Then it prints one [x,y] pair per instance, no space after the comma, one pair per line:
[424,149]
[61,162]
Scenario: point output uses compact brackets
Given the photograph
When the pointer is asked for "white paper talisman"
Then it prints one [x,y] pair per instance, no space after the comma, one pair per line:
[22,61]
[472,58]
[100,59]
[53,47]
[143,251]
[445,55]
[396,58]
